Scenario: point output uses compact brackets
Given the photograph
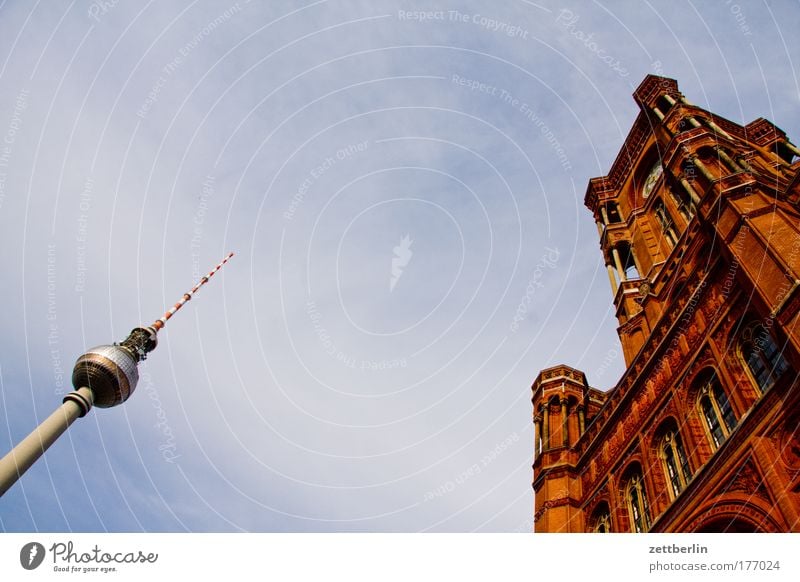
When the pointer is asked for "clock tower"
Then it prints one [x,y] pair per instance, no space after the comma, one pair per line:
[699,228]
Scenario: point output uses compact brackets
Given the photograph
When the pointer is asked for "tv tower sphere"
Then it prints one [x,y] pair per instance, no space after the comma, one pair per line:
[110,371]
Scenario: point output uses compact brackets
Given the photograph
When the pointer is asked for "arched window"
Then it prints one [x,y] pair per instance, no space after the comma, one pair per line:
[636,497]
[675,463]
[667,225]
[762,356]
[716,411]
[601,519]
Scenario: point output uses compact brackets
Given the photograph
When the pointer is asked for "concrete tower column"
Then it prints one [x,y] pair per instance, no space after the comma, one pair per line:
[76,404]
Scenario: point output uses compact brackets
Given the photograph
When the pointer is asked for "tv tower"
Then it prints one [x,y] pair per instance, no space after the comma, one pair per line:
[104,376]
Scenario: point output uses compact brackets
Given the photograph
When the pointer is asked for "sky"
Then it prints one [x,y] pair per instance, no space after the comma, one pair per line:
[402,184]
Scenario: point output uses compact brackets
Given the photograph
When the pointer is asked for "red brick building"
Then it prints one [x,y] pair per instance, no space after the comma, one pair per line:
[699,225]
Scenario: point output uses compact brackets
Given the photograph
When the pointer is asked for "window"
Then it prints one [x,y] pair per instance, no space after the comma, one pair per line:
[676,466]
[603,524]
[637,503]
[601,519]
[613,212]
[716,410]
[665,220]
[682,203]
[762,356]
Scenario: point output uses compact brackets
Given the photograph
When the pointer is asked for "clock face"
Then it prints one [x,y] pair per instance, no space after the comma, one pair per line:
[652,178]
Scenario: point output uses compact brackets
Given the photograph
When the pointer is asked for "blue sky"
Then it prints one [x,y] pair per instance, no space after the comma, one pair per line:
[396,178]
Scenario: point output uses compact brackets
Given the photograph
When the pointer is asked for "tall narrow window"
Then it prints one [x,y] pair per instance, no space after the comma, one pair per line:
[667,225]
[637,503]
[676,465]
[717,411]
[762,356]
[682,203]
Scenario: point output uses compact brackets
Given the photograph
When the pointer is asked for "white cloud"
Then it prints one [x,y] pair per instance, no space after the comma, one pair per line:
[374,413]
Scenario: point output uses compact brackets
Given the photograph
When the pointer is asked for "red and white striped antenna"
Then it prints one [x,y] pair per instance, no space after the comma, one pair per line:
[160,323]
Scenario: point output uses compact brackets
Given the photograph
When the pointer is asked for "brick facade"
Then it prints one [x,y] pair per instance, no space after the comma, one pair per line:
[699,225]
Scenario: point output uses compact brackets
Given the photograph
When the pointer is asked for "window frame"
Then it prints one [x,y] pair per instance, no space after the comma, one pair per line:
[666,222]
[638,508]
[726,420]
[601,517]
[772,367]
[671,441]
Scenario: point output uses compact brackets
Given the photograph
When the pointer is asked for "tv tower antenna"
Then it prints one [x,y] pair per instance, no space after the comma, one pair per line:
[104,376]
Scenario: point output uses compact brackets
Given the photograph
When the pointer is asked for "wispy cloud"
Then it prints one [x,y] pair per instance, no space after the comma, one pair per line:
[389,183]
